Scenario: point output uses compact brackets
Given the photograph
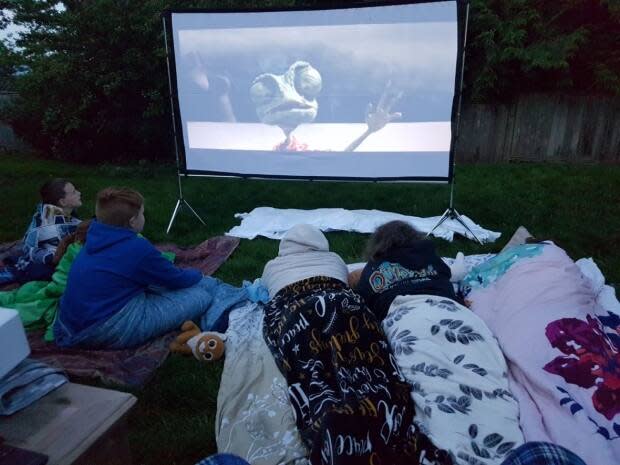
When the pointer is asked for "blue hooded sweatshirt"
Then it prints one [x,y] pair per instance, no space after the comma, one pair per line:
[113,267]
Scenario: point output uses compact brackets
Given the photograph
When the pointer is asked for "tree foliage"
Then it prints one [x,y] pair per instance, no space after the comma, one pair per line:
[97,84]
[518,46]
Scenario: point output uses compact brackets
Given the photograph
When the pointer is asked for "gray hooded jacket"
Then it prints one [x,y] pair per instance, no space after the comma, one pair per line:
[304,253]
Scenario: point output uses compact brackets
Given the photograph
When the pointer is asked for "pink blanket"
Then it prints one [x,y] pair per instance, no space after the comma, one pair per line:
[562,353]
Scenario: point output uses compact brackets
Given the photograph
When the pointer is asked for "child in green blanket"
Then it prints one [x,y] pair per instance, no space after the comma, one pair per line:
[37,301]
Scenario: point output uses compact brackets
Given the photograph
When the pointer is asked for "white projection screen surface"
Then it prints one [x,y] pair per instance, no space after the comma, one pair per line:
[361,93]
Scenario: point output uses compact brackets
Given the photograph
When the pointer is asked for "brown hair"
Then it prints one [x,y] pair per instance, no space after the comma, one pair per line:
[117,205]
[78,236]
[392,235]
[53,190]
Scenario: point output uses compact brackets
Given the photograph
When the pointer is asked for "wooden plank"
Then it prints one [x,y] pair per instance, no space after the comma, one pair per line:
[542,127]
[66,422]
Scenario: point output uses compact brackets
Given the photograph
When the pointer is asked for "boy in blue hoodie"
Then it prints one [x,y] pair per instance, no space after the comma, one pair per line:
[121,291]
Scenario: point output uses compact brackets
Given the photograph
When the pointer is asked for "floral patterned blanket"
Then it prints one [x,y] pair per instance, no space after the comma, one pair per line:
[458,377]
[254,415]
[562,347]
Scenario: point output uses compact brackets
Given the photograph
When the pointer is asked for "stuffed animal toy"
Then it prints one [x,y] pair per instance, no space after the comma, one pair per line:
[206,346]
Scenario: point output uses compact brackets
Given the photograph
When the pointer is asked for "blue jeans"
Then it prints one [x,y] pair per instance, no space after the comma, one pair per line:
[223,459]
[146,316]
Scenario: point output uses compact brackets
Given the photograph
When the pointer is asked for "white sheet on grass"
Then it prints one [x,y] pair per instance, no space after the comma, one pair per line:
[274,222]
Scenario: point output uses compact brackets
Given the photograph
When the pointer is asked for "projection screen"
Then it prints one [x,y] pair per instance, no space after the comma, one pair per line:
[362,93]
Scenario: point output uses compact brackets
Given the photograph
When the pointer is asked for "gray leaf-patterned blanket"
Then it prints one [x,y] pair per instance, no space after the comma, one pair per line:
[458,376]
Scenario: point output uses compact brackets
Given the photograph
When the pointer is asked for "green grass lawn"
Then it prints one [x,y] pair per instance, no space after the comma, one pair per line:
[577,206]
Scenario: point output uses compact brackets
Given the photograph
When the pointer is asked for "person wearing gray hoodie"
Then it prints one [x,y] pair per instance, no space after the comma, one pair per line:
[304,253]
[352,405]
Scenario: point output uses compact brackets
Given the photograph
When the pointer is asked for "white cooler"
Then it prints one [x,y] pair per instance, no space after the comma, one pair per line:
[13,343]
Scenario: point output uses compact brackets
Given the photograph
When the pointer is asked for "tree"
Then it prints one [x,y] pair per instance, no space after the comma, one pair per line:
[7,62]
[535,45]
[97,86]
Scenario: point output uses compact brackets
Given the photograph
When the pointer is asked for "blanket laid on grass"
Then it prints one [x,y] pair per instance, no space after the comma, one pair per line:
[37,301]
[562,346]
[274,223]
[350,401]
[126,368]
[254,415]
[207,256]
[458,376]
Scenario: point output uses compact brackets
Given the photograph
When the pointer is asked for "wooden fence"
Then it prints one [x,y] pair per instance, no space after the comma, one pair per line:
[541,127]
[538,127]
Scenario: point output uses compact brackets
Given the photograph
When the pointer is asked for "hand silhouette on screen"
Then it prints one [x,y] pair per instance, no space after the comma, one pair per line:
[378,117]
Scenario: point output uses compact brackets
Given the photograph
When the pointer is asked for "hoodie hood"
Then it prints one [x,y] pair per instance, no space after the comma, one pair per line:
[304,253]
[101,236]
[303,238]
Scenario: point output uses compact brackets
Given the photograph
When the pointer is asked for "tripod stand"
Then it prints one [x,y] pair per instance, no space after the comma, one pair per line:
[180,203]
[180,200]
[451,213]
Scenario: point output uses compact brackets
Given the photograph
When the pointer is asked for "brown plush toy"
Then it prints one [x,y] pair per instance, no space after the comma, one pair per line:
[206,346]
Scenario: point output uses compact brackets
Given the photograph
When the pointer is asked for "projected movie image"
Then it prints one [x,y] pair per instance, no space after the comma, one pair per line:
[357,93]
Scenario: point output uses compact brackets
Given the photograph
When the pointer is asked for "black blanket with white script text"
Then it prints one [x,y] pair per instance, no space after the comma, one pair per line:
[351,403]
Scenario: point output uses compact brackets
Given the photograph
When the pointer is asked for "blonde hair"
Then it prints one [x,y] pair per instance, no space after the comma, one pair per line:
[117,205]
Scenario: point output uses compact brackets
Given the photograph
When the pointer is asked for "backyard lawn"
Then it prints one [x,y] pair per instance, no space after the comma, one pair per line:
[577,206]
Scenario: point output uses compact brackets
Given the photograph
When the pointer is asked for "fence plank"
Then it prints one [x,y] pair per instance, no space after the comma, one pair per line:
[542,127]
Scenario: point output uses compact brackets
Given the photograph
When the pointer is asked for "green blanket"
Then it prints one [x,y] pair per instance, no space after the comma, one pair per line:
[37,301]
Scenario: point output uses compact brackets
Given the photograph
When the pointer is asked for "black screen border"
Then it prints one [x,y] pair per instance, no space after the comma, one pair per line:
[178,130]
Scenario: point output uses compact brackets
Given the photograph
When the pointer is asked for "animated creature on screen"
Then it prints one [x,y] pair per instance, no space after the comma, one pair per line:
[288,100]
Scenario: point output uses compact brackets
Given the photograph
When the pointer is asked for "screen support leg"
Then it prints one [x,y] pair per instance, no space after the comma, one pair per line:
[181,202]
[451,213]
